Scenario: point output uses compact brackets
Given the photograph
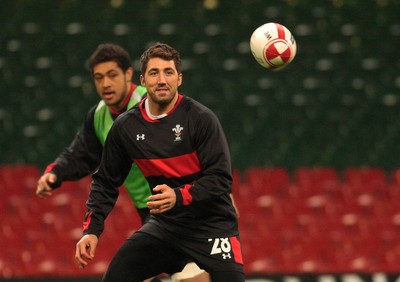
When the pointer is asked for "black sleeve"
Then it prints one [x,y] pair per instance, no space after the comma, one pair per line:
[83,156]
[114,168]
[213,152]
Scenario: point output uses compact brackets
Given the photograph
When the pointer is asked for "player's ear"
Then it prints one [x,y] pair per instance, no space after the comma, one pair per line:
[142,81]
[180,79]
[129,74]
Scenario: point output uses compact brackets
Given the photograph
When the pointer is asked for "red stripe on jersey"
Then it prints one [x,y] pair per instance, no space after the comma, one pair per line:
[144,113]
[87,221]
[236,249]
[281,31]
[186,196]
[180,96]
[170,167]
[125,102]
[49,167]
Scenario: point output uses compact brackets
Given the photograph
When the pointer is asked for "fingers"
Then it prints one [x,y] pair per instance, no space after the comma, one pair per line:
[159,206]
[161,188]
[43,192]
[79,258]
[43,189]
[163,201]
[85,250]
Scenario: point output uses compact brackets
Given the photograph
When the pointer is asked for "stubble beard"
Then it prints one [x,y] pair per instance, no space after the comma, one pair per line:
[163,102]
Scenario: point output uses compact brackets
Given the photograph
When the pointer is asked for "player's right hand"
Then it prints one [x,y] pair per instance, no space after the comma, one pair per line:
[163,200]
[85,249]
[43,189]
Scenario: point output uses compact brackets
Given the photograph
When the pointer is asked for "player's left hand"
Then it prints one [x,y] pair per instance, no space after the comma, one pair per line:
[43,189]
[85,249]
[164,200]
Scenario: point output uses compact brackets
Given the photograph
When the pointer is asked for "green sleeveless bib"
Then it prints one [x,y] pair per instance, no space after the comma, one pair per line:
[135,183]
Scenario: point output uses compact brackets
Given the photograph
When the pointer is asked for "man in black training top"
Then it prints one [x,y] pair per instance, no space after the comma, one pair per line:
[180,147]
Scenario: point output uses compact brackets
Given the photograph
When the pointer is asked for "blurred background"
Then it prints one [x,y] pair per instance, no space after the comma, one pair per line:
[314,145]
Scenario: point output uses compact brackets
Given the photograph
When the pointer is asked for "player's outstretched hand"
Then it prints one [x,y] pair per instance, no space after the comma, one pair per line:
[85,249]
[163,200]
[43,189]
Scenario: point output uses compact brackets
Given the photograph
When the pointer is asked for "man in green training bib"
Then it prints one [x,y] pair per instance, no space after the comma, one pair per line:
[111,69]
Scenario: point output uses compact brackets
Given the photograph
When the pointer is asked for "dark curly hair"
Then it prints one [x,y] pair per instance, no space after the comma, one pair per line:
[163,51]
[110,52]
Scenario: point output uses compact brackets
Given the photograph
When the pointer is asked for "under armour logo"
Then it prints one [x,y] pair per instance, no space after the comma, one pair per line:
[225,256]
[139,137]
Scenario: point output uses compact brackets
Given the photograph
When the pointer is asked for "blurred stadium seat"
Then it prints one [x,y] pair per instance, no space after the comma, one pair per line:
[298,232]
[331,233]
[37,235]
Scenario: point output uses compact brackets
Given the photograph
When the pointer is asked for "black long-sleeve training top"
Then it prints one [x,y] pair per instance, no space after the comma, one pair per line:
[186,150]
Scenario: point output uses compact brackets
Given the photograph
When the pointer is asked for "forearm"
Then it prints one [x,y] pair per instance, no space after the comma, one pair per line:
[103,195]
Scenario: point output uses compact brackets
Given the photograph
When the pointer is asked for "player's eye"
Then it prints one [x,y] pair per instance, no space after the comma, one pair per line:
[112,74]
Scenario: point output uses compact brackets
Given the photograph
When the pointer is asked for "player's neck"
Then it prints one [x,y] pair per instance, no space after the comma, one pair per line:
[121,107]
[150,114]
[157,109]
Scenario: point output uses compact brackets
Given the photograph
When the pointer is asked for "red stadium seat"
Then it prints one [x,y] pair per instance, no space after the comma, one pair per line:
[315,180]
[315,188]
[395,176]
[371,180]
[305,225]
[18,179]
[268,181]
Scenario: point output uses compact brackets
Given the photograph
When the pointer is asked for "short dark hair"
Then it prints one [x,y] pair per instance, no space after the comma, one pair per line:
[163,51]
[110,52]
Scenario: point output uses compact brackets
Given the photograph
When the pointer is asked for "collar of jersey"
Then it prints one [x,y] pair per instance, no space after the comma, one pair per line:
[125,102]
[144,113]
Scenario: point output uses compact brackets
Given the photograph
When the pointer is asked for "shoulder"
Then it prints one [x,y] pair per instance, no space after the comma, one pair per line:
[100,105]
[140,89]
[194,105]
[90,114]
[197,109]
[139,92]
[126,116]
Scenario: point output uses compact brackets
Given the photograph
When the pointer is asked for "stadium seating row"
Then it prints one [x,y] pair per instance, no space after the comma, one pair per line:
[310,220]
[319,220]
